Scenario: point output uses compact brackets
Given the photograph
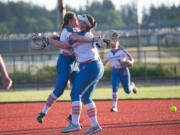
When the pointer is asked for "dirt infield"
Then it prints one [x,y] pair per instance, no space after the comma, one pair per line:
[135,117]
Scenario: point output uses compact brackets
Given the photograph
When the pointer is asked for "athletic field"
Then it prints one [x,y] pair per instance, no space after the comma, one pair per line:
[146,113]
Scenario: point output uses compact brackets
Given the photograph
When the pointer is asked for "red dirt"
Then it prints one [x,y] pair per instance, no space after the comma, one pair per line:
[135,117]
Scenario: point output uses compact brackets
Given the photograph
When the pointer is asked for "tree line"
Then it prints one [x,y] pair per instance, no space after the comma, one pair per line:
[21,17]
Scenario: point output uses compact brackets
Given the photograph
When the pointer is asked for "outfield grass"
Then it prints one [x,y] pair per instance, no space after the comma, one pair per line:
[168,92]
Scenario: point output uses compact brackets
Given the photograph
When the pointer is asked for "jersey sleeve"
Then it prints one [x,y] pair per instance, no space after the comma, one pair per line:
[88,35]
[126,54]
[65,35]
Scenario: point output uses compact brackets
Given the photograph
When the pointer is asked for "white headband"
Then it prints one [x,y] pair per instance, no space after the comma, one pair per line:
[84,18]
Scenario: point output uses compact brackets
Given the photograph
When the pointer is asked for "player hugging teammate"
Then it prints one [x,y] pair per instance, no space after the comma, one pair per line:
[84,43]
[120,60]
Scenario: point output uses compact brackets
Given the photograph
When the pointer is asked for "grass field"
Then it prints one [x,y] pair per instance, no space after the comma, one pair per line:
[168,92]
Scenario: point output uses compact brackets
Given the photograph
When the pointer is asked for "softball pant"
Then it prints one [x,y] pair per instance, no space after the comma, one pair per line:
[86,81]
[123,75]
[66,69]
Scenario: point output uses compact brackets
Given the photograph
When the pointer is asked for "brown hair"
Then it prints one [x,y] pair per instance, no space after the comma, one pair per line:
[68,16]
[92,21]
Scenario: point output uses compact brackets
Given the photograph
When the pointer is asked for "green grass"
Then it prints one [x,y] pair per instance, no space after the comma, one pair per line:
[168,92]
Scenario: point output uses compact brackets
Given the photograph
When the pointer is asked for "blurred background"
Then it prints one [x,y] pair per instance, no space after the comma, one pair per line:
[149,30]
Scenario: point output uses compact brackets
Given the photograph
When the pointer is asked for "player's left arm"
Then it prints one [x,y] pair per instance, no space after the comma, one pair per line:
[128,62]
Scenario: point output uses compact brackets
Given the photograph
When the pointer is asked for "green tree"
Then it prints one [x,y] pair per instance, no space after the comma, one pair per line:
[160,14]
[4,28]
[108,5]
[104,13]
[129,14]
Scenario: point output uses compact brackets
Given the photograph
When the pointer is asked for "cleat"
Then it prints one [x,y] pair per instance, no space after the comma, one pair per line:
[40,117]
[114,109]
[91,130]
[69,118]
[134,88]
[71,128]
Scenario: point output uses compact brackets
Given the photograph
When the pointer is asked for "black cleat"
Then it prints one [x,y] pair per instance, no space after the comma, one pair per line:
[40,117]
[69,118]
[114,109]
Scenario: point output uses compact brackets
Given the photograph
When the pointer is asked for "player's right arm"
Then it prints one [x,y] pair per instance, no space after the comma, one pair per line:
[107,60]
[54,41]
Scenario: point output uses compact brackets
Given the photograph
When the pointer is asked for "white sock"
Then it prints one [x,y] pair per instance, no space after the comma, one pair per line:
[51,99]
[131,87]
[76,111]
[115,98]
[92,113]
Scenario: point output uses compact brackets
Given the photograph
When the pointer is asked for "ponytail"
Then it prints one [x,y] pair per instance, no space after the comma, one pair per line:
[92,21]
[68,16]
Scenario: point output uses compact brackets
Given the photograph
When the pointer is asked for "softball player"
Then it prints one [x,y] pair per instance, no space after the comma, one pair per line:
[120,72]
[66,66]
[91,70]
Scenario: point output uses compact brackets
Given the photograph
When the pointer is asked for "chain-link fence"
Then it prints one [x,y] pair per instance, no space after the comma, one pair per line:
[39,69]
[157,58]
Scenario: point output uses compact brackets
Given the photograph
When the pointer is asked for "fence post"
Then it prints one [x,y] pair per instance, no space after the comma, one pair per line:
[175,73]
[14,70]
[145,67]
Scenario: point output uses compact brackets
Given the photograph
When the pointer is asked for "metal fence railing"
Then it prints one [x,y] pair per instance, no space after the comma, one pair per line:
[29,65]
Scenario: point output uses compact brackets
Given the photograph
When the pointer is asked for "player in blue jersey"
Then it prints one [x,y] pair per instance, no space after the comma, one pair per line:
[91,70]
[120,60]
[66,64]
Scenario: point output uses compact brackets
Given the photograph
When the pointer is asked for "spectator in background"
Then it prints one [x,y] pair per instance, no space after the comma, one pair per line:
[6,80]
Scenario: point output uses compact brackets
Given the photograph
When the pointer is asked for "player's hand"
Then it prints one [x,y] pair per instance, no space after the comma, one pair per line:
[7,82]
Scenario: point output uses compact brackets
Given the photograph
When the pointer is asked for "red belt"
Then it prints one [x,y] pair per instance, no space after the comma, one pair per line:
[90,60]
[67,54]
[116,67]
